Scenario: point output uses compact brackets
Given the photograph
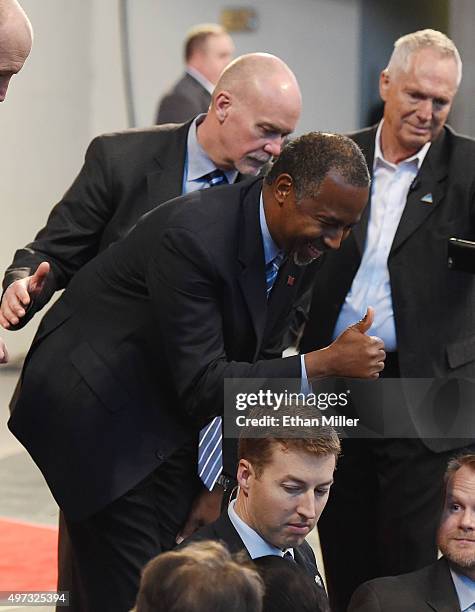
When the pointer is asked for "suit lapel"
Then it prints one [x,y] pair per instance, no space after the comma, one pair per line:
[166,182]
[422,201]
[226,532]
[443,596]
[251,258]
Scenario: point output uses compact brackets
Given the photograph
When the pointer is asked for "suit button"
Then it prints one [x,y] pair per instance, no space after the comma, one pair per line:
[160,456]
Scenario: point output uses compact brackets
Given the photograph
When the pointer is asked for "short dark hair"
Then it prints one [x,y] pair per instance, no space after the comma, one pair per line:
[318,440]
[288,587]
[309,158]
[200,576]
[196,37]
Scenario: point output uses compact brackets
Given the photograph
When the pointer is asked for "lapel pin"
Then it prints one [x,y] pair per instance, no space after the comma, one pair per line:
[427,198]
[290,280]
[318,580]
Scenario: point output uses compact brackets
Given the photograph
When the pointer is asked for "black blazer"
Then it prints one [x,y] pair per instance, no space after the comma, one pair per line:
[130,362]
[186,99]
[125,175]
[430,589]
[224,531]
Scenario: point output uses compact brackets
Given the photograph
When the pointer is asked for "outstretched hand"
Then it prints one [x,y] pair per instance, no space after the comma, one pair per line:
[19,294]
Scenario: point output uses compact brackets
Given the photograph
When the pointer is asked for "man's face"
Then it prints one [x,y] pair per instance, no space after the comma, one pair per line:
[253,129]
[15,46]
[417,100]
[456,537]
[285,502]
[315,224]
[218,51]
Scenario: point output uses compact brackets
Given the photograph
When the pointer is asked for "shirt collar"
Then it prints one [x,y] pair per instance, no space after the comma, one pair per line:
[465,588]
[256,546]
[202,80]
[417,158]
[271,250]
[198,163]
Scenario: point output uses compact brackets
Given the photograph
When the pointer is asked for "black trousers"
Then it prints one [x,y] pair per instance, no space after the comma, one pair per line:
[383,512]
[101,558]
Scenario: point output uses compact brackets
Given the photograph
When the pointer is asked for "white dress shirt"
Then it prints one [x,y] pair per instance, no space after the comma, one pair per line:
[371,285]
[465,588]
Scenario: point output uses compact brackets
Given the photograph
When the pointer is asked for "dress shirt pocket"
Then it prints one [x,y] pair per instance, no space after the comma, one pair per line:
[99,378]
[461,352]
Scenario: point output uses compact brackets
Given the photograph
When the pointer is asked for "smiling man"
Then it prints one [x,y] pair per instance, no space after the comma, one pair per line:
[284,480]
[448,584]
[129,364]
[422,194]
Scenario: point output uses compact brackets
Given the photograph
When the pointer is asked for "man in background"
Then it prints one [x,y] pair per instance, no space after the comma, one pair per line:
[449,583]
[16,36]
[208,50]
[423,177]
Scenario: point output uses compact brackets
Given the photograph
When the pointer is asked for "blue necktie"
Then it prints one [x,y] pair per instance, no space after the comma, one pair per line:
[272,269]
[210,452]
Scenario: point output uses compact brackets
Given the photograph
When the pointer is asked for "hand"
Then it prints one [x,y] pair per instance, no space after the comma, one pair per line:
[3,352]
[18,295]
[205,509]
[353,354]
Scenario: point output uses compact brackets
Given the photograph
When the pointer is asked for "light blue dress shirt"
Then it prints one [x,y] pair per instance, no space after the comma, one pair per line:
[256,546]
[197,163]
[465,588]
[371,286]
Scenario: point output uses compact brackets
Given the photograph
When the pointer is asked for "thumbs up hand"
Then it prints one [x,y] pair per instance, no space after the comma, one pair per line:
[353,354]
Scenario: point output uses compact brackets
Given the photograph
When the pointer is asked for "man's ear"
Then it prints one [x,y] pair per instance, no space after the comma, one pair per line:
[222,104]
[283,186]
[384,82]
[245,475]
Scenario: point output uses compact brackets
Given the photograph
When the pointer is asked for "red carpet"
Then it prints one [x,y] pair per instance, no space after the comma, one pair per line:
[28,556]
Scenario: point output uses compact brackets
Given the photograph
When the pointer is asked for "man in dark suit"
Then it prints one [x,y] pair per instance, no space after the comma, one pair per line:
[396,260]
[208,50]
[283,485]
[129,364]
[449,584]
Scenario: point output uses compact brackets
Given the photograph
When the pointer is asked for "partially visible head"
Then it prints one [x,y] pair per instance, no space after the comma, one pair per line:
[314,193]
[284,478]
[288,587]
[208,49]
[16,38]
[256,104]
[418,87]
[456,536]
[201,576]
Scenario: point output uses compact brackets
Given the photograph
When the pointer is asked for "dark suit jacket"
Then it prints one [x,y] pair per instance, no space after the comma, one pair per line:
[433,306]
[130,362]
[185,100]
[430,589]
[224,531]
[125,175]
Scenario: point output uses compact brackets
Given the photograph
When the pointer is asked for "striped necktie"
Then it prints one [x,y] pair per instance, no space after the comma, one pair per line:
[272,269]
[210,452]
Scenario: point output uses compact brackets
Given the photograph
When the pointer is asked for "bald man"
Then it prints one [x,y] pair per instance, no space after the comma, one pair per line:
[15,46]
[15,42]
[255,105]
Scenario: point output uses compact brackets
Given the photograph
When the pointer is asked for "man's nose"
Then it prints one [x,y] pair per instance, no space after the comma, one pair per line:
[274,146]
[467,520]
[334,239]
[424,110]
[306,507]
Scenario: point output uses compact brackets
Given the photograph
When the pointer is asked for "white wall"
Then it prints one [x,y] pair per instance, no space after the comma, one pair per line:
[317,38]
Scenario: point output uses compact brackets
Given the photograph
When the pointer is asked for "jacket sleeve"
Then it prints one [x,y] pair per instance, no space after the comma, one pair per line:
[72,234]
